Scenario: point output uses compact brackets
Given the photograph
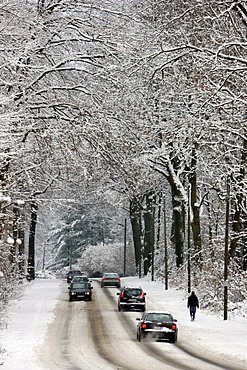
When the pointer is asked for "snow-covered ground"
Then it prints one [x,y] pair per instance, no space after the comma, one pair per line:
[28,318]
[208,333]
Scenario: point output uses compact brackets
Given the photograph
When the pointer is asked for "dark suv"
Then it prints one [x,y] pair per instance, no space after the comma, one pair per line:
[131,298]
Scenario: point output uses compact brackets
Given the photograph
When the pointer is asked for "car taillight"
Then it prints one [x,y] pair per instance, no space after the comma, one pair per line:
[121,294]
[143,325]
[174,327]
[143,295]
[104,279]
[118,279]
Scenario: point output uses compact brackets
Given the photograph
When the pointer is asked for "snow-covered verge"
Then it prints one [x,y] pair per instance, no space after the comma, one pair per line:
[26,320]
[30,314]
[209,332]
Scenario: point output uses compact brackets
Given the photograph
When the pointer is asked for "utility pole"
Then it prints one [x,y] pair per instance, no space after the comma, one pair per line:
[70,255]
[153,227]
[43,261]
[189,251]
[165,246]
[226,247]
[125,244]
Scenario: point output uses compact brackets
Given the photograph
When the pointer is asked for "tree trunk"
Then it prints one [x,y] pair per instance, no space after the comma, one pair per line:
[165,245]
[239,222]
[195,222]
[148,234]
[158,221]
[135,219]
[210,230]
[178,216]
[31,247]
[178,219]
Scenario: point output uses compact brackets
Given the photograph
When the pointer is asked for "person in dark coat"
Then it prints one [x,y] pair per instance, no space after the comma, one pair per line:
[192,304]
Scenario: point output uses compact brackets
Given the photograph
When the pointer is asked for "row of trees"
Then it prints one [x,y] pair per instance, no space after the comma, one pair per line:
[114,105]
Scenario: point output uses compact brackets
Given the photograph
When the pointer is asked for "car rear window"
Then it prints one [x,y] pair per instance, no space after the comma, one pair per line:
[159,317]
[111,275]
[134,292]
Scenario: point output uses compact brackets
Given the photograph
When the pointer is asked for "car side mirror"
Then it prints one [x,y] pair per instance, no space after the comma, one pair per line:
[175,320]
[145,293]
[68,287]
[138,319]
[118,293]
[91,287]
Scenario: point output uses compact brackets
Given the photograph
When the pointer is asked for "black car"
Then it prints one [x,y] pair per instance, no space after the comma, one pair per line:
[157,325]
[131,298]
[71,274]
[110,279]
[80,291]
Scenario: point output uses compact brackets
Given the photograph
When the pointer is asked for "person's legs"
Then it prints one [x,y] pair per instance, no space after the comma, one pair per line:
[192,313]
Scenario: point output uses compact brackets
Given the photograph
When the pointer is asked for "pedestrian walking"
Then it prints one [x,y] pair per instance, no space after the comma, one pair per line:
[193,304]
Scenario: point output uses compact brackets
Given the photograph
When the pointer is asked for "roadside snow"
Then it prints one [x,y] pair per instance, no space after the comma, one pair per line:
[208,333]
[28,319]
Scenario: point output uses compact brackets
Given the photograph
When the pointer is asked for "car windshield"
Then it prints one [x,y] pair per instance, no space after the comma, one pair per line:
[160,317]
[133,292]
[76,272]
[80,278]
[81,285]
[111,275]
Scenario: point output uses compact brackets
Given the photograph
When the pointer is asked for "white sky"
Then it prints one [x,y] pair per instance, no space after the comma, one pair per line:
[28,318]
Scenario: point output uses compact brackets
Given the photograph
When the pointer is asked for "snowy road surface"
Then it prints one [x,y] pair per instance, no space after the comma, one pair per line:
[94,335]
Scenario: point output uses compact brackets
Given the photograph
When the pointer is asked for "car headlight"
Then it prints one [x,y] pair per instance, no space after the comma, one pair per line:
[87,293]
[73,293]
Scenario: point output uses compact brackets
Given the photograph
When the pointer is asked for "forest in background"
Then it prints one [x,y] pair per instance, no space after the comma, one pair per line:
[114,110]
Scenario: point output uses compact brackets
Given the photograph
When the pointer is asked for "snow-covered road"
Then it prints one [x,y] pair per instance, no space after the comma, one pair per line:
[46,331]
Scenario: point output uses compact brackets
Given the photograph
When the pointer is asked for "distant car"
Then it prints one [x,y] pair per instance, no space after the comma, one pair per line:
[131,298]
[96,274]
[157,325]
[73,273]
[80,279]
[82,290]
[110,279]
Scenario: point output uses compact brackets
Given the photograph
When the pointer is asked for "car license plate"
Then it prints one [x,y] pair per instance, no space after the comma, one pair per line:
[158,327]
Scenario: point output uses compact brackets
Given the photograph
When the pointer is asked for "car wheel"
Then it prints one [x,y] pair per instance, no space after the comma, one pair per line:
[143,309]
[70,299]
[102,286]
[139,337]
[119,308]
[173,339]
[90,298]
